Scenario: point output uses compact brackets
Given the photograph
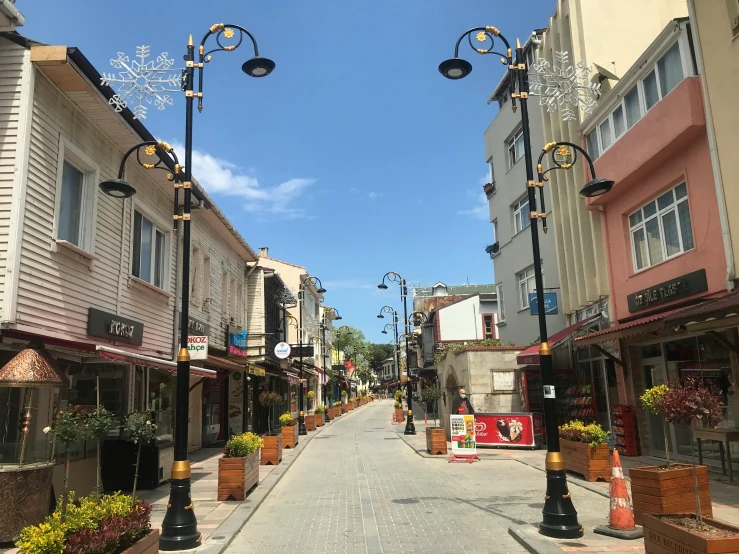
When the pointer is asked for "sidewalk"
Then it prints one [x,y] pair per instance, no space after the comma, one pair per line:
[724,496]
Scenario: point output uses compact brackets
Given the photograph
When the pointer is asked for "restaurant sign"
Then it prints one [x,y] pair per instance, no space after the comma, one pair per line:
[680,287]
[114,327]
[236,342]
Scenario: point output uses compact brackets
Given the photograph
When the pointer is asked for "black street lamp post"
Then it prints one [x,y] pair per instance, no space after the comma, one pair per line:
[394,326]
[180,526]
[559,514]
[312,282]
[335,314]
[392,276]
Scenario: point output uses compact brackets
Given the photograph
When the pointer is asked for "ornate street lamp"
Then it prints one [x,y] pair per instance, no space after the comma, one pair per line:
[316,283]
[394,326]
[394,277]
[558,87]
[139,83]
[334,313]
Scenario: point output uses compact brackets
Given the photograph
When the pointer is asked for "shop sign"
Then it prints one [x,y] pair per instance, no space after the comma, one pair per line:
[301,350]
[197,327]
[282,350]
[668,291]
[550,303]
[463,434]
[258,371]
[114,327]
[197,346]
[236,338]
[236,403]
[506,429]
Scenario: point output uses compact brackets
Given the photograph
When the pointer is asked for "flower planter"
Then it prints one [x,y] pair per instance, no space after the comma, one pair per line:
[25,492]
[237,476]
[319,420]
[591,463]
[272,450]
[290,436]
[310,422]
[436,440]
[662,537]
[148,544]
[345,408]
[656,491]
[399,415]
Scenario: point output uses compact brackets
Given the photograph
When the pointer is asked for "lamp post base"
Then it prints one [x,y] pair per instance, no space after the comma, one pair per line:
[180,527]
[560,516]
[410,427]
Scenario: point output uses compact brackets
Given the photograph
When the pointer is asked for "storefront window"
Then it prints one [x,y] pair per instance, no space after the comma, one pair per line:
[162,388]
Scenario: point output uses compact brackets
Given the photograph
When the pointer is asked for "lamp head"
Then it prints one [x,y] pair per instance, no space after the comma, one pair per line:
[596,187]
[384,332]
[338,317]
[321,291]
[382,286]
[455,68]
[117,188]
[380,316]
[258,67]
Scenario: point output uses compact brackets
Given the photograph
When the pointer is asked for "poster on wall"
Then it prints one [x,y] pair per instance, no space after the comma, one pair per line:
[463,434]
[508,430]
[236,403]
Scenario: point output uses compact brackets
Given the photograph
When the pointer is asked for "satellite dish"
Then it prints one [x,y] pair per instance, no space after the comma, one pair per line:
[605,74]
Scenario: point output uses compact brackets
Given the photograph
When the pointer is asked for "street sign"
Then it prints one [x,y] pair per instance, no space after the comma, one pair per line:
[197,346]
[550,303]
[301,350]
[282,350]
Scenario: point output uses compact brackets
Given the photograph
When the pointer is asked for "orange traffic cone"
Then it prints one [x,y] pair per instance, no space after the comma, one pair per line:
[425,419]
[621,517]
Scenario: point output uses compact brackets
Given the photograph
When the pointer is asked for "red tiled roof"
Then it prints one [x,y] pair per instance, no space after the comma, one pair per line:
[530,356]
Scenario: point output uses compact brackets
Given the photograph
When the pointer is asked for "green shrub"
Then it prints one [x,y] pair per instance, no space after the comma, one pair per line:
[320,410]
[652,398]
[311,395]
[344,394]
[592,434]
[337,404]
[398,396]
[242,445]
[287,420]
[397,405]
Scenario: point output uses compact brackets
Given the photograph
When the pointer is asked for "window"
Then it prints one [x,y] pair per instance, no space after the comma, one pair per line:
[526,285]
[492,172]
[206,282]
[501,303]
[76,198]
[521,215]
[661,229]
[487,326]
[150,254]
[495,231]
[224,295]
[232,300]
[732,7]
[195,275]
[239,303]
[515,148]
[530,56]
[664,76]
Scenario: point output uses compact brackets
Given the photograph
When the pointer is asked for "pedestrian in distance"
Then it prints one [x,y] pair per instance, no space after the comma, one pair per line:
[461,404]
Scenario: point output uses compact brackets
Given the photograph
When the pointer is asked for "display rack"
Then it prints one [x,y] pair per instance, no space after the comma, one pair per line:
[624,427]
[581,403]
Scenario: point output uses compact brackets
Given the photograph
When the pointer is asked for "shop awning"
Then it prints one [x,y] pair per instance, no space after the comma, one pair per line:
[640,326]
[530,356]
[719,311]
[118,355]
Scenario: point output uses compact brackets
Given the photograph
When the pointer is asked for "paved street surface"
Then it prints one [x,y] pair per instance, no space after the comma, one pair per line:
[358,487]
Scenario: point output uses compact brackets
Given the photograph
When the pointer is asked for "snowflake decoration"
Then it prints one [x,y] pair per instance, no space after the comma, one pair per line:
[143,81]
[563,86]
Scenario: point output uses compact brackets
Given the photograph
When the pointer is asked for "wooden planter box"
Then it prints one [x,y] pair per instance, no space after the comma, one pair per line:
[290,436]
[436,440]
[327,415]
[668,491]
[272,450]
[661,537]
[148,544]
[319,420]
[237,476]
[591,463]
[310,422]
[345,408]
[399,415]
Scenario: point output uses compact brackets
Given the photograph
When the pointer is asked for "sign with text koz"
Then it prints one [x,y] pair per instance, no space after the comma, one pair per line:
[197,346]
[463,433]
[505,429]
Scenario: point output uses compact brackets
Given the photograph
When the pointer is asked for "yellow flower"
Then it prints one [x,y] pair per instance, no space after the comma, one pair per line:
[481,36]
[150,150]
[228,33]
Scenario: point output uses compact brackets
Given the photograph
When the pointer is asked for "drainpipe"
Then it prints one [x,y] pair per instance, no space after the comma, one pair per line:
[710,131]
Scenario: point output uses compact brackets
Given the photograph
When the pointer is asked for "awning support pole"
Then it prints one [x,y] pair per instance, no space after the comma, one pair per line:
[608,355]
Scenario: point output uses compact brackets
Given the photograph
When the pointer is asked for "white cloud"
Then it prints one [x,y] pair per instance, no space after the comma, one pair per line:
[220,177]
[481,209]
[373,195]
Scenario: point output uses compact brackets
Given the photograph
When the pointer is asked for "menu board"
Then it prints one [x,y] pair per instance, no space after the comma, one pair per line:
[463,434]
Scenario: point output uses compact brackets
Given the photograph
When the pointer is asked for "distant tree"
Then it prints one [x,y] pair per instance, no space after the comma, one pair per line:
[351,341]
[378,353]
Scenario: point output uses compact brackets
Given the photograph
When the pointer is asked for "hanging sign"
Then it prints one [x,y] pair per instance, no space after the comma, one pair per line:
[236,338]
[282,350]
[463,434]
[197,346]
[550,303]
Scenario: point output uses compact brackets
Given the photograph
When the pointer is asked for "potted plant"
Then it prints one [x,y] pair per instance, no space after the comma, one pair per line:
[691,402]
[289,430]
[399,414]
[68,430]
[319,412]
[337,408]
[238,469]
[436,435]
[272,449]
[311,395]
[584,450]
[668,488]
[344,402]
[142,431]
[310,422]
[92,525]
[98,424]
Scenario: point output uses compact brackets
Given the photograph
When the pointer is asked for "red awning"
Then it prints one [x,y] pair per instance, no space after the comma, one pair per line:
[530,356]
[631,328]
[147,361]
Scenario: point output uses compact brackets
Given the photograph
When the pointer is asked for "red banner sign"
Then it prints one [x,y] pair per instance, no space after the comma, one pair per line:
[507,429]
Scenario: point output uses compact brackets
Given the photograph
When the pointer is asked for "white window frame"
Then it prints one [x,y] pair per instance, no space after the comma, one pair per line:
[158,224]
[224,295]
[206,282]
[501,304]
[72,154]
[511,148]
[195,271]
[517,208]
[491,172]
[658,214]
[639,85]
[524,277]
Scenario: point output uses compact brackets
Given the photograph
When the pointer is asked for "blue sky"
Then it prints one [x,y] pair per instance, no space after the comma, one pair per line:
[355,157]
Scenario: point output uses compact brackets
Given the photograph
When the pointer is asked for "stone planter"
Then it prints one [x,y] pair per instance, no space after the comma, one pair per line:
[656,491]
[290,436]
[436,440]
[399,415]
[319,420]
[591,463]
[25,493]
[661,537]
[237,476]
[148,544]
[310,422]
[272,450]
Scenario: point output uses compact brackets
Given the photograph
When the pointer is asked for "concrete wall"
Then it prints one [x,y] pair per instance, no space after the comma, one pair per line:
[463,320]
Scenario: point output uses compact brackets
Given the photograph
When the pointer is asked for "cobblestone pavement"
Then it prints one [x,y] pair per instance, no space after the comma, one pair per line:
[357,487]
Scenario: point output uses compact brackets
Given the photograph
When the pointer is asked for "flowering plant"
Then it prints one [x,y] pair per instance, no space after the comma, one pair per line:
[287,420]
[242,445]
[592,434]
[320,410]
[653,400]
